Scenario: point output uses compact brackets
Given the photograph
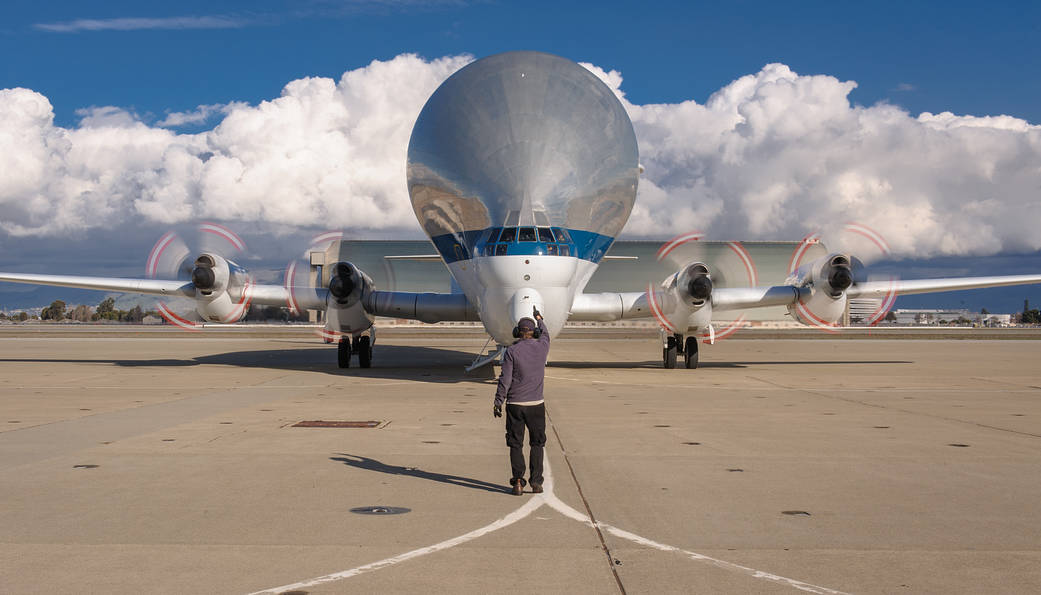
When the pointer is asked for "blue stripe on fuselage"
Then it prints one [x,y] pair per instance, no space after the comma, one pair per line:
[586,245]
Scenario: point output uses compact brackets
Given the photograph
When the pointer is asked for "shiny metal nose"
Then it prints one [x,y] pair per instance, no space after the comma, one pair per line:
[521,139]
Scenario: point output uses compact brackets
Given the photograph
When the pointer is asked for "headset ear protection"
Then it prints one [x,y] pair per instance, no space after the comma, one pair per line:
[517,332]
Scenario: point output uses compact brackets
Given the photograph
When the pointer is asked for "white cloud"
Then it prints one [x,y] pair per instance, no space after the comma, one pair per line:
[199,115]
[775,155]
[138,23]
[108,116]
[772,155]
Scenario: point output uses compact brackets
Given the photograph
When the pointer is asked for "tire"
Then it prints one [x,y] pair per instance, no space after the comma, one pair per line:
[668,353]
[364,348]
[690,352]
[343,352]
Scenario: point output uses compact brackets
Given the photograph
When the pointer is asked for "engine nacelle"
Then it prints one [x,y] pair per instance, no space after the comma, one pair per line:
[822,287]
[685,300]
[695,282]
[222,289]
[345,311]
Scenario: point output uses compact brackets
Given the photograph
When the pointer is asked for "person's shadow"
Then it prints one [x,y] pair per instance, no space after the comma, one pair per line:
[368,464]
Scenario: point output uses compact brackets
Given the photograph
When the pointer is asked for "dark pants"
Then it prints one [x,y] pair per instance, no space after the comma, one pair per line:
[532,417]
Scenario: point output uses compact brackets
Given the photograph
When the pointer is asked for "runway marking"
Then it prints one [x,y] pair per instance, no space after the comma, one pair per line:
[569,512]
[535,502]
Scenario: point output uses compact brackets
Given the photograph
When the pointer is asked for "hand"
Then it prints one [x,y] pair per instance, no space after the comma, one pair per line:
[535,312]
[497,411]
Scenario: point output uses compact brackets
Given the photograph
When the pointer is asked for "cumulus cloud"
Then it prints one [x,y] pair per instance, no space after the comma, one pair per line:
[199,115]
[324,153]
[772,155]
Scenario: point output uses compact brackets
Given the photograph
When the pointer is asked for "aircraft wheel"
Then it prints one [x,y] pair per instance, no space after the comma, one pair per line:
[343,352]
[668,353]
[364,348]
[690,352]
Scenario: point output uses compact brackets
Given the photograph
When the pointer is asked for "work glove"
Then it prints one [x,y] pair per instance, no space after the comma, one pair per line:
[535,312]
[497,411]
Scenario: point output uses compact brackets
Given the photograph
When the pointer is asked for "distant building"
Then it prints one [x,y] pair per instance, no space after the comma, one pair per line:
[927,316]
[996,320]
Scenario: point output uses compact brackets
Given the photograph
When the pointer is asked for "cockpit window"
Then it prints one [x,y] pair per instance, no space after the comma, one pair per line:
[508,234]
[562,235]
[526,234]
[493,234]
[545,235]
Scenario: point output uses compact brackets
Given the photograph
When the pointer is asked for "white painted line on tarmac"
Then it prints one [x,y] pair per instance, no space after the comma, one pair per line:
[556,504]
[534,503]
[530,506]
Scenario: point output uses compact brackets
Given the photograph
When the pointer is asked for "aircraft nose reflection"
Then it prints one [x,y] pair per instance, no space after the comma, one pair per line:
[523,140]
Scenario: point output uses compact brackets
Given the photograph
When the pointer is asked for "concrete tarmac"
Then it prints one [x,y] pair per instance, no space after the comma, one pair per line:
[168,462]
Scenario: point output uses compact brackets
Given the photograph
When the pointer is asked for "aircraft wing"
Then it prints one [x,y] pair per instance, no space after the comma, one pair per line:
[740,298]
[265,295]
[626,305]
[145,286]
[909,287]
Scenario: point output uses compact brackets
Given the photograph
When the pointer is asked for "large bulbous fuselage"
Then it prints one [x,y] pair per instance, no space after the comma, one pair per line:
[522,169]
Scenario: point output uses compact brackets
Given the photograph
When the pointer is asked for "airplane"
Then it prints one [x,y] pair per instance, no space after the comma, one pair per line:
[522,170]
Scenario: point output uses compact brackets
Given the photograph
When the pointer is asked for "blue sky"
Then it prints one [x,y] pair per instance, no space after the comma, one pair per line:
[965,57]
[153,59]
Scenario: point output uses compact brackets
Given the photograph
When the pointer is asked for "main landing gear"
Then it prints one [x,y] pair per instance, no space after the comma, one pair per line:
[362,346]
[675,345]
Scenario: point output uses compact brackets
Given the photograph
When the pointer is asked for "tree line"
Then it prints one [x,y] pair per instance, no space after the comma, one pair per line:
[106,311]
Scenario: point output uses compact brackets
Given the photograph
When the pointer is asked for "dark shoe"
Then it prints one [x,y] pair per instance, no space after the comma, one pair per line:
[518,487]
[536,488]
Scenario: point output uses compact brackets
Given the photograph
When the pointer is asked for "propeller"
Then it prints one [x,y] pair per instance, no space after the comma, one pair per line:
[301,289]
[701,268]
[212,273]
[853,247]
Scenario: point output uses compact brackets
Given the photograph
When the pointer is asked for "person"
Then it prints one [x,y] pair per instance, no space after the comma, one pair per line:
[520,389]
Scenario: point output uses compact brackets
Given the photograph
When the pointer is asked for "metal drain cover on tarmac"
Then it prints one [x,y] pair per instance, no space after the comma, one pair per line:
[380,510]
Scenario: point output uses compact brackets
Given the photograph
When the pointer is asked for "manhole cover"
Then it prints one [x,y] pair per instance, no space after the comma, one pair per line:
[319,423]
[380,510]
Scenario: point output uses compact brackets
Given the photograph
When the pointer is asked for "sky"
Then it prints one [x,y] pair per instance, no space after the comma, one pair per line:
[756,120]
